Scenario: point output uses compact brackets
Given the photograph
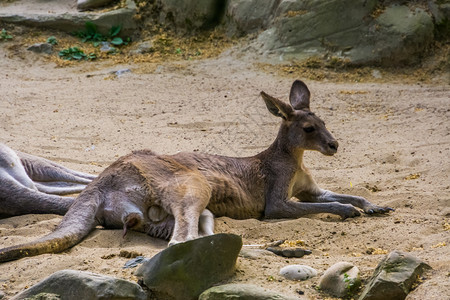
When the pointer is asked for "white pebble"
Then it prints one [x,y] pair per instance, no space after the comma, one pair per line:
[298,272]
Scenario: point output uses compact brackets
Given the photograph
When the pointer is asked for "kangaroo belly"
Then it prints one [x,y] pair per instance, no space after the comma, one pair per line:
[232,199]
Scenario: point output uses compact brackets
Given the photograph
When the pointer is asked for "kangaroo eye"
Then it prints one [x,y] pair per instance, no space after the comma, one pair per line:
[308,129]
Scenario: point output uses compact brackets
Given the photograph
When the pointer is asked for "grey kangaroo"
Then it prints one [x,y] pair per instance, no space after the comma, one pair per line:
[30,184]
[177,196]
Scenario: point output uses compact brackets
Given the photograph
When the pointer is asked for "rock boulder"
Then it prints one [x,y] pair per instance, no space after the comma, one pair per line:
[76,285]
[393,277]
[185,270]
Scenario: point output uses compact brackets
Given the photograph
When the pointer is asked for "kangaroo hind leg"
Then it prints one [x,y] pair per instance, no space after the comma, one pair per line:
[206,223]
[188,207]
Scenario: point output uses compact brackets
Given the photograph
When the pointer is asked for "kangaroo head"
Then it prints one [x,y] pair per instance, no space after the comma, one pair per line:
[301,129]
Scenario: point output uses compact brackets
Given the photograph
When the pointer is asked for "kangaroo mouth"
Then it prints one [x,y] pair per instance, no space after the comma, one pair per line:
[329,153]
[331,149]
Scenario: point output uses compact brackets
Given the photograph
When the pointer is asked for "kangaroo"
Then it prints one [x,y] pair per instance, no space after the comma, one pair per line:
[29,184]
[177,196]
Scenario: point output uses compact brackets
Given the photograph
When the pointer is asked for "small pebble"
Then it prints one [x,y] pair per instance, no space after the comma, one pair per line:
[298,272]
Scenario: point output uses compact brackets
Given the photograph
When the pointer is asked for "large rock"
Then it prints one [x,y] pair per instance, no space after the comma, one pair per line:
[76,285]
[305,28]
[188,15]
[393,277]
[64,16]
[400,36]
[340,280]
[185,270]
[248,16]
[242,292]
[349,29]
[441,15]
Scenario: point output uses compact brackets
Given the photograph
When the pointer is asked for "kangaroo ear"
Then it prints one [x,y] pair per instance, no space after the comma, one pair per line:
[277,107]
[299,96]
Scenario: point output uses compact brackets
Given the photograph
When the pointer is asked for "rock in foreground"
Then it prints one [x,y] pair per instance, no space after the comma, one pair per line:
[185,270]
[393,277]
[340,280]
[242,292]
[76,285]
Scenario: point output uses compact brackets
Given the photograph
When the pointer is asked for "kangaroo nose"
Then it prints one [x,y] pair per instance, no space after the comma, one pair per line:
[333,145]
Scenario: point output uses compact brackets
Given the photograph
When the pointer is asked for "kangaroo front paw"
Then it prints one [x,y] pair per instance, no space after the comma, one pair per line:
[349,211]
[375,209]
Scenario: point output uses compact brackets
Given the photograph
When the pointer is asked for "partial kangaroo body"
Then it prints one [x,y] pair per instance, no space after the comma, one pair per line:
[28,184]
[177,195]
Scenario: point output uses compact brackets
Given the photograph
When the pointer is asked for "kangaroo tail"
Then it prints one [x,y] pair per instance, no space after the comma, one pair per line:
[77,223]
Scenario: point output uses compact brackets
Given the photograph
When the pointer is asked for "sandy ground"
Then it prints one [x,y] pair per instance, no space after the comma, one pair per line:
[394,150]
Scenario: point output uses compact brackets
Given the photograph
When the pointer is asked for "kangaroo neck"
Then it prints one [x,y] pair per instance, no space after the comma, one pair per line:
[280,152]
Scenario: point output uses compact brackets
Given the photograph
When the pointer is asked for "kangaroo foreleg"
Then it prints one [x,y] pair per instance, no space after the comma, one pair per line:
[325,196]
[294,209]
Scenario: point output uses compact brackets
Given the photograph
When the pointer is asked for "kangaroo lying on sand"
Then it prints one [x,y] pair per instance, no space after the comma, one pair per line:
[177,195]
[28,184]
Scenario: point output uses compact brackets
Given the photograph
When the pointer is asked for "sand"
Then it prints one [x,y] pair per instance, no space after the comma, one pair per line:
[394,150]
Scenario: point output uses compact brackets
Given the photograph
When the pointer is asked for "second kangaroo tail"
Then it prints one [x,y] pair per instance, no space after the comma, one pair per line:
[76,225]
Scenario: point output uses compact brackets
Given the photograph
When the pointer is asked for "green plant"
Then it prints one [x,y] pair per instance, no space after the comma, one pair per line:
[91,34]
[52,40]
[5,36]
[75,53]
[352,284]
[113,32]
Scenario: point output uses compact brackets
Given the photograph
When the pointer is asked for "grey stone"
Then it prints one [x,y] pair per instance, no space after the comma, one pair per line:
[255,253]
[242,292]
[142,48]
[88,4]
[289,252]
[121,72]
[402,35]
[190,15]
[105,47]
[321,26]
[347,29]
[248,16]
[340,280]
[185,270]
[393,277]
[68,20]
[441,14]
[41,48]
[2,295]
[298,272]
[76,285]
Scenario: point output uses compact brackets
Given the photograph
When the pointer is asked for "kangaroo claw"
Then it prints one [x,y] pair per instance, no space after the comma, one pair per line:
[378,210]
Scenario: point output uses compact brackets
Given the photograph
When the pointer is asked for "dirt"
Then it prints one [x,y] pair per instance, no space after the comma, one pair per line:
[394,150]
